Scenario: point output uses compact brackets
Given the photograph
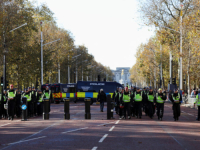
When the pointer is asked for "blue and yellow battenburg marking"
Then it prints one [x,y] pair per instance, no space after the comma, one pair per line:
[90,94]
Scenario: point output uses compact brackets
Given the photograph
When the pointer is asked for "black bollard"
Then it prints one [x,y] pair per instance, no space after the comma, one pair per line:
[108,98]
[24,109]
[66,108]
[87,108]
[45,109]
[110,107]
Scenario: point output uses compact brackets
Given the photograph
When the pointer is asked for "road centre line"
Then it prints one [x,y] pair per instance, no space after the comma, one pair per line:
[94,148]
[26,140]
[117,122]
[112,128]
[5,124]
[101,140]
[74,130]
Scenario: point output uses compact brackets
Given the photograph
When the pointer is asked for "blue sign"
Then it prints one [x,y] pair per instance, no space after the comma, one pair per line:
[24,107]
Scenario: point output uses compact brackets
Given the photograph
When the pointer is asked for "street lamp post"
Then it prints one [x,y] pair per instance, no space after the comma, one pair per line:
[42,52]
[4,57]
[76,65]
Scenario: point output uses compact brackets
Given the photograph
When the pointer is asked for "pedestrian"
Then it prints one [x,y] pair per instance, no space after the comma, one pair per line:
[114,98]
[34,101]
[48,95]
[138,98]
[101,98]
[176,100]
[11,102]
[198,105]
[39,100]
[133,90]
[126,99]
[121,110]
[27,94]
[151,107]
[160,99]
[4,99]
[18,104]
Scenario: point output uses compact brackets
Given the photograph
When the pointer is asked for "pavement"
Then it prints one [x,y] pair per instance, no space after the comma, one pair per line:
[98,133]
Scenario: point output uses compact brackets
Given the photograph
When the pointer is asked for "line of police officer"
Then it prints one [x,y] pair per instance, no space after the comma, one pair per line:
[10,103]
[133,101]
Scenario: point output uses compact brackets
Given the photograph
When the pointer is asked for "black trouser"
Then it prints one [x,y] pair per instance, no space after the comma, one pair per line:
[30,109]
[133,109]
[146,108]
[1,109]
[11,108]
[176,110]
[151,109]
[4,111]
[40,108]
[127,109]
[160,110]
[18,110]
[121,111]
[34,108]
[101,106]
[198,117]
[138,109]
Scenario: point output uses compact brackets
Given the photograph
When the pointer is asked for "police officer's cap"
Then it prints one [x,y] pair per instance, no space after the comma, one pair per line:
[138,88]
[33,87]
[4,90]
[29,87]
[39,91]
[199,91]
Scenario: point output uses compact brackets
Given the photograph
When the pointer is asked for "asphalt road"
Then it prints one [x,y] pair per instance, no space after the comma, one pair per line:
[100,133]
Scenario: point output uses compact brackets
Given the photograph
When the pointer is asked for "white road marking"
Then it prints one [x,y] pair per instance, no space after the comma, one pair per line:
[117,122]
[26,140]
[94,148]
[5,124]
[105,124]
[101,140]
[75,130]
[112,128]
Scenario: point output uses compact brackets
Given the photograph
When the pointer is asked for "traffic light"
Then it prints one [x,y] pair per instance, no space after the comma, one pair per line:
[1,81]
[7,83]
[173,80]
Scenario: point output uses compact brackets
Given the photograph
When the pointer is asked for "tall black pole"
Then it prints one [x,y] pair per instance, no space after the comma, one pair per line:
[4,72]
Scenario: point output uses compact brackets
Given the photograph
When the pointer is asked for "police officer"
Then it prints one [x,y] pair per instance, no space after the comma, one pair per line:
[121,110]
[27,94]
[176,100]
[47,94]
[126,99]
[137,98]
[114,98]
[160,99]
[34,101]
[4,97]
[198,104]
[18,104]
[39,101]
[11,102]
[151,107]
[133,90]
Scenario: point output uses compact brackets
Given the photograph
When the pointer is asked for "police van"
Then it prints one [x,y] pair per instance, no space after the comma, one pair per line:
[90,89]
[61,91]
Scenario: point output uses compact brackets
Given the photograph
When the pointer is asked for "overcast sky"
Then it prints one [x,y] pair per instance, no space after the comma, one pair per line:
[108,28]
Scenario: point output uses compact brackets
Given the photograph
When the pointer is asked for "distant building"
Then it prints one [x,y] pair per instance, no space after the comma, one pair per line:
[122,75]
